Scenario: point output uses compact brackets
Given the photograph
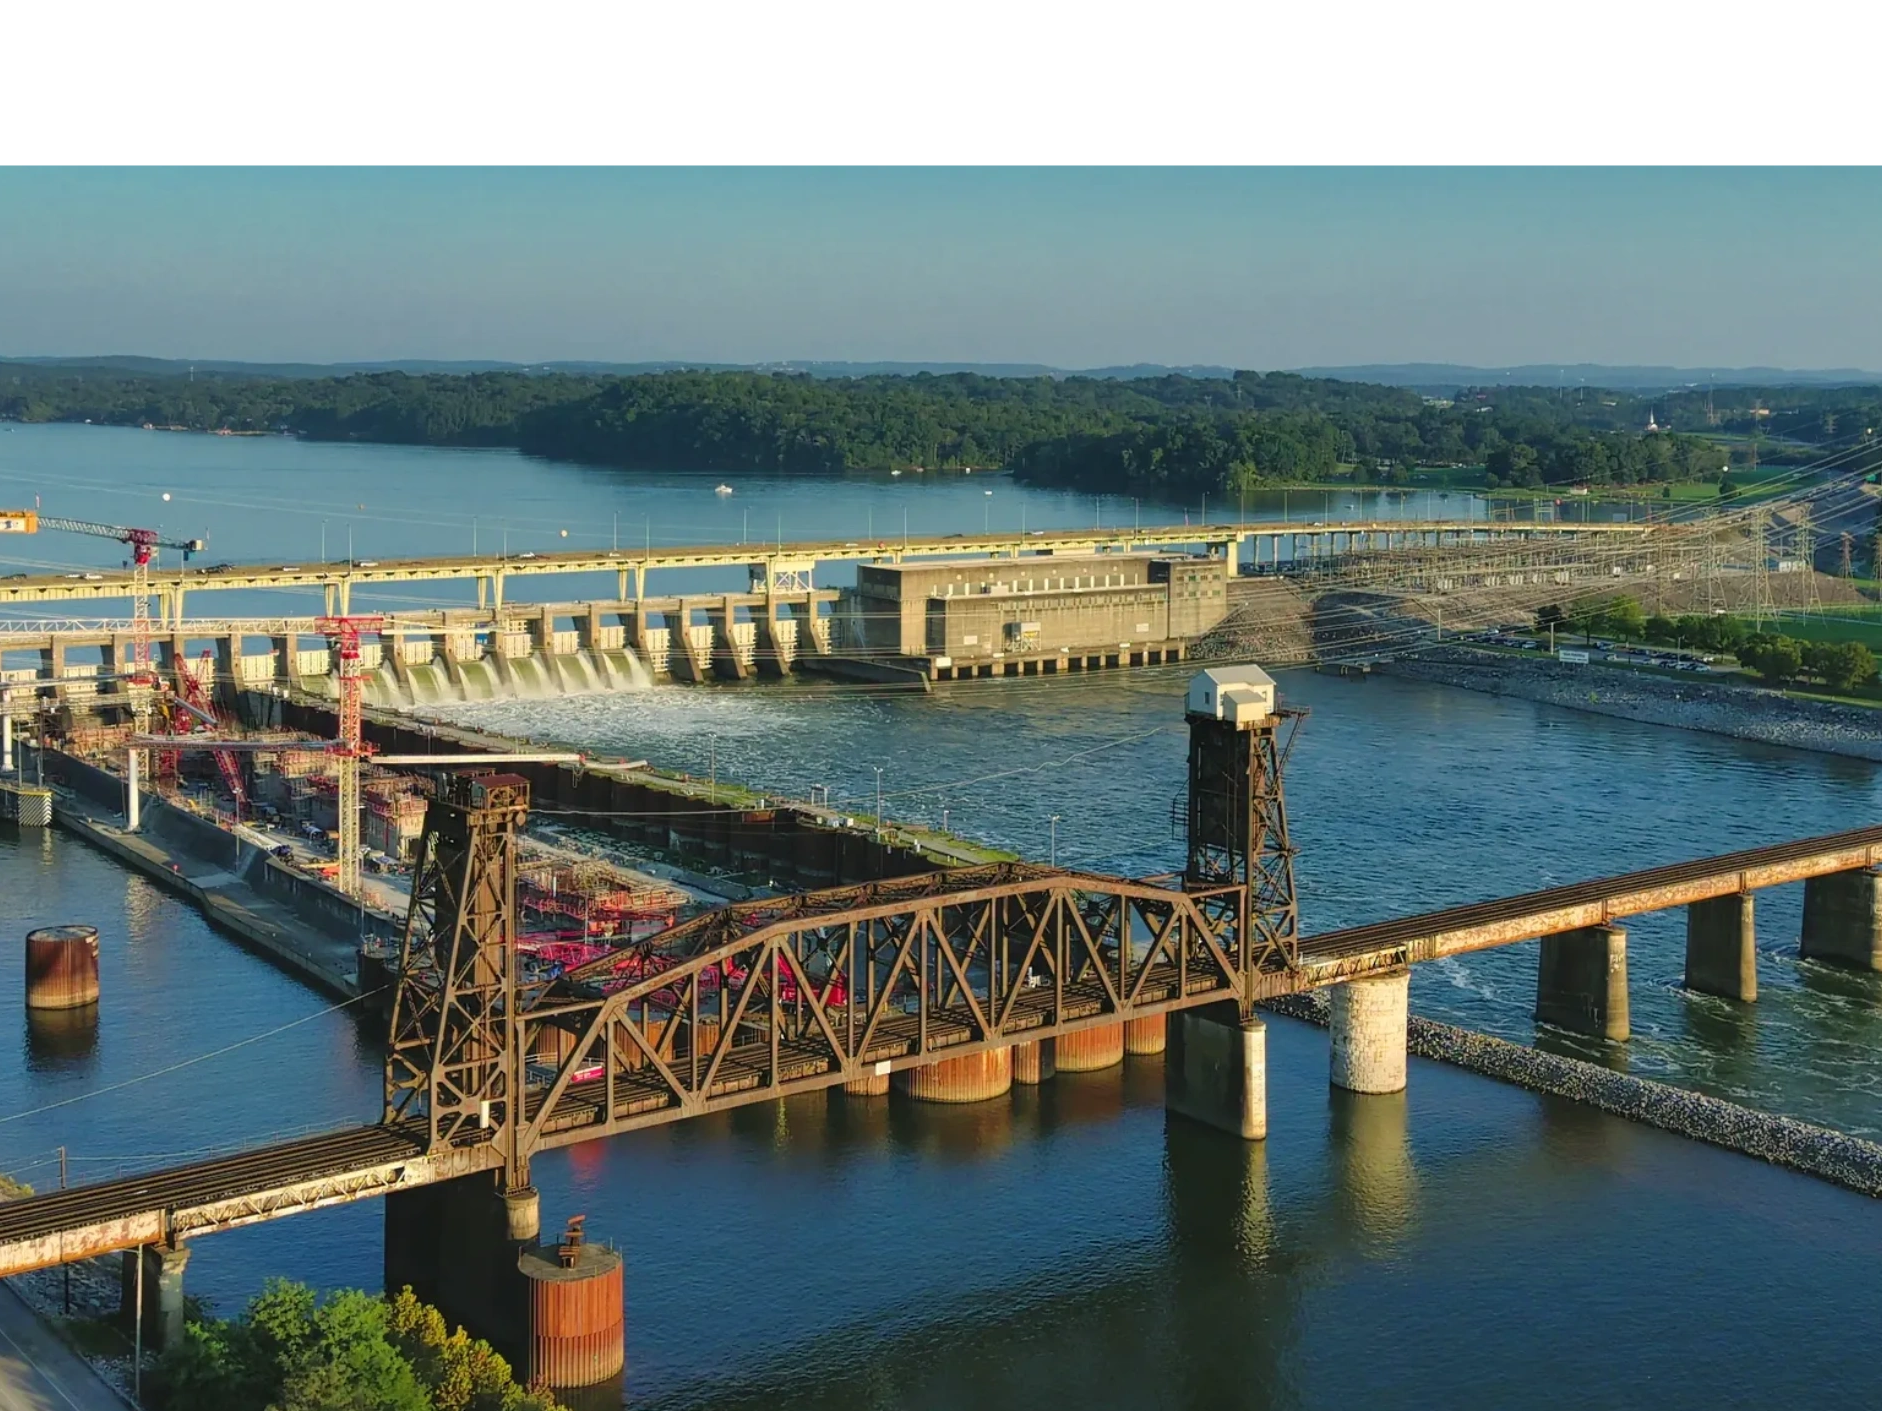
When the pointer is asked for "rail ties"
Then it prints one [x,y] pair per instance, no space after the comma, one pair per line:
[1380,935]
[223,1178]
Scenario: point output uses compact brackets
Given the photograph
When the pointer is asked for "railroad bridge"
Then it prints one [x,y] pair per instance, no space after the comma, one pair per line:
[948,985]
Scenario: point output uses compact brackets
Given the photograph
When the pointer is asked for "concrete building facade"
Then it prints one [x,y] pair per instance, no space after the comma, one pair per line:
[1012,616]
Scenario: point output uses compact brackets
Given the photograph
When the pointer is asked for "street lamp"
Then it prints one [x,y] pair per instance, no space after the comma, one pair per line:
[986,514]
[878,769]
[1053,854]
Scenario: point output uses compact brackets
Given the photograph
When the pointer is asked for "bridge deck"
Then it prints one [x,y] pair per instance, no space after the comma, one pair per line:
[359,1162]
[1336,955]
[117,584]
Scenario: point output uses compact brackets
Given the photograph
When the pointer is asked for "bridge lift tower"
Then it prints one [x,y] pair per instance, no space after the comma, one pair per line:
[1237,834]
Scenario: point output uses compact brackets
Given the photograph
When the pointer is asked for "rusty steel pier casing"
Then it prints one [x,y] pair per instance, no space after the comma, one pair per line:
[576,1333]
[62,967]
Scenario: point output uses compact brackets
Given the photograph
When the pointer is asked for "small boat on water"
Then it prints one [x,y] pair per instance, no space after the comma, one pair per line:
[722,490]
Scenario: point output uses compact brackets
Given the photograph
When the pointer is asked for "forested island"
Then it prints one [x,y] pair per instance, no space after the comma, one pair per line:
[1171,436]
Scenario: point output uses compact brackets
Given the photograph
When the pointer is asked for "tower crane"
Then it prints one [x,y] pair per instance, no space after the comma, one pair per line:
[349,747]
[144,544]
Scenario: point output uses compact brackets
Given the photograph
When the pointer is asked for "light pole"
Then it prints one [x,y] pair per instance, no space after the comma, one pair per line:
[1053,854]
[986,514]
[712,765]
[944,818]
[615,542]
[473,536]
[878,769]
[323,541]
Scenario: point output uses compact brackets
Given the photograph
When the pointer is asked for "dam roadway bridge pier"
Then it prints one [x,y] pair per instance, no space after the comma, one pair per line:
[945,985]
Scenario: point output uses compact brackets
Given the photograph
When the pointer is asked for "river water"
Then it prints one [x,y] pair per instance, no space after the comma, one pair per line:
[1464,1244]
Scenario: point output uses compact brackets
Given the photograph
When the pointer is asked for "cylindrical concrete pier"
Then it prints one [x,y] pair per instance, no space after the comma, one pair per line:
[1143,1037]
[1035,1062]
[62,967]
[1088,1050]
[576,1334]
[974,1077]
[522,1215]
[1367,1028]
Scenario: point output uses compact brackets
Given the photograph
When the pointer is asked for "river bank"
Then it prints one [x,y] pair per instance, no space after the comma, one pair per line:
[1743,712]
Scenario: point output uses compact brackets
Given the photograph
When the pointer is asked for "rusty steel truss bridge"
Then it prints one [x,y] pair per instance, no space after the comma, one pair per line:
[489,1062]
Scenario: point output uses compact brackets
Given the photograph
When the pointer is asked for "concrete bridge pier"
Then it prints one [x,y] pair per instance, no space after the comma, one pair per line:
[1366,1029]
[725,659]
[163,1292]
[771,658]
[1581,982]
[1843,919]
[1215,1070]
[1721,954]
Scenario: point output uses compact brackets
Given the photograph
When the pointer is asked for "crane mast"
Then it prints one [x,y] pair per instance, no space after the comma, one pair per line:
[349,747]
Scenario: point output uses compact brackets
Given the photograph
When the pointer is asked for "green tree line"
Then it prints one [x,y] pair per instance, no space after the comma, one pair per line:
[291,1351]
[1780,660]
[1169,436]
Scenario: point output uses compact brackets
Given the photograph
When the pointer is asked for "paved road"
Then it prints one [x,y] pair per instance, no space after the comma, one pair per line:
[40,1373]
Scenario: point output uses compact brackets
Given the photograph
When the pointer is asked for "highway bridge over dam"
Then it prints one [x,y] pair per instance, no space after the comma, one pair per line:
[946,986]
[922,609]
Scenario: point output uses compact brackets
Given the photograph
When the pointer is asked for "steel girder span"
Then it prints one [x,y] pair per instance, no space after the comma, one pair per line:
[765,999]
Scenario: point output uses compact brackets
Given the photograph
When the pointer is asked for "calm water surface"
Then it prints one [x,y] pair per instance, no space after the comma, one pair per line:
[1466,1244]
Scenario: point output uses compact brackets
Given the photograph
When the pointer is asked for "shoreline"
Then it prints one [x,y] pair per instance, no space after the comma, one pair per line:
[1751,713]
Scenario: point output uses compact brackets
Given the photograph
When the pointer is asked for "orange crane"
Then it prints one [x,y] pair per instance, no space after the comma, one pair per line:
[144,544]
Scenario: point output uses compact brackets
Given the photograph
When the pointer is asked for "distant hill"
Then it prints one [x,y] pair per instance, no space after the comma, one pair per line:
[137,366]
[1431,379]
[1441,378]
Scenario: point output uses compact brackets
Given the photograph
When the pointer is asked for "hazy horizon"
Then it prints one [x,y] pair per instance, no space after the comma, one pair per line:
[1064,268]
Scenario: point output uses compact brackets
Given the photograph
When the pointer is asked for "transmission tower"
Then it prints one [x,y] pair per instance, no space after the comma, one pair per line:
[1847,570]
[1807,551]
[1760,572]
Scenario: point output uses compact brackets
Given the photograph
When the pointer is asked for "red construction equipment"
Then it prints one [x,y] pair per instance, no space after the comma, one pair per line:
[196,704]
[350,748]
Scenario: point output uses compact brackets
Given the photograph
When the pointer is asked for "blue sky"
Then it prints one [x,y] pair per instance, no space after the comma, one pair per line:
[1073,267]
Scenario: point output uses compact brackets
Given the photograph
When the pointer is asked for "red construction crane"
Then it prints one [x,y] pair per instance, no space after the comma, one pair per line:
[144,544]
[349,748]
[192,700]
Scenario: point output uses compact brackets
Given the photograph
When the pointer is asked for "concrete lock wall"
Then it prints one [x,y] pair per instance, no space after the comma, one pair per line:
[1843,919]
[1215,1070]
[1581,982]
[1367,1031]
